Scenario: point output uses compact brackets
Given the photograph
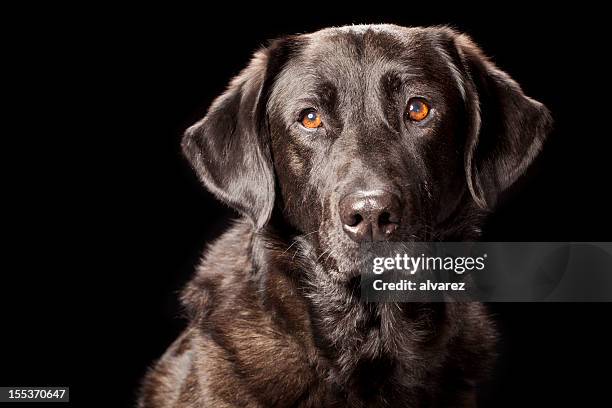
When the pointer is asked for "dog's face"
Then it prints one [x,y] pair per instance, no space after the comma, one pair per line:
[366,133]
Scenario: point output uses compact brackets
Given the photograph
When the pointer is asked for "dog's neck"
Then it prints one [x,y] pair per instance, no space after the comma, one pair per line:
[356,337]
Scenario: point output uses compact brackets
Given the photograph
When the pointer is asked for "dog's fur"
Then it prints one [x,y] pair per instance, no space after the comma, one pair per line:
[275,318]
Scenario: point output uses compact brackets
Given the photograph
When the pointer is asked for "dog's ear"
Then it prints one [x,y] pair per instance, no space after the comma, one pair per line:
[507,128]
[229,148]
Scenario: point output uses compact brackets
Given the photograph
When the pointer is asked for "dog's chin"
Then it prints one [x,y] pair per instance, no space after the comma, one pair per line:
[348,259]
[343,265]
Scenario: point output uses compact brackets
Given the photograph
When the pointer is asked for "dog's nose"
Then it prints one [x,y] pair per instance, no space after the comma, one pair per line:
[370,215]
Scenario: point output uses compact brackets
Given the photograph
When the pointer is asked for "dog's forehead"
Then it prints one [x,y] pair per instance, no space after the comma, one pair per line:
[366,40]
[354,56]
[352,47]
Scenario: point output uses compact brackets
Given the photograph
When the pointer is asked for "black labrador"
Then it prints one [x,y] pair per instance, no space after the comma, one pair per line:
[327,140]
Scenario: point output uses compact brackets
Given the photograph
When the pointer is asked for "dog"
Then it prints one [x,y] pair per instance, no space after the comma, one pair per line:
[326,141]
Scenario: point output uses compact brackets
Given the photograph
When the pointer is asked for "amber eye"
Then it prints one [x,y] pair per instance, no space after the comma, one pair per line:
[418,109]
[311,119]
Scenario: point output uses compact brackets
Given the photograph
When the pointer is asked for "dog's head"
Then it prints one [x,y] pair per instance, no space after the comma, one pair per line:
[366,133]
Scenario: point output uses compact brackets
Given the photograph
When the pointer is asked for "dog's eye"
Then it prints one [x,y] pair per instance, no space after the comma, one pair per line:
[418,109]
[311,119]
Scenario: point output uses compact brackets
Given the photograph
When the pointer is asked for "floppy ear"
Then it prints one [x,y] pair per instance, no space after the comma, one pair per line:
[507,129]
[229,148]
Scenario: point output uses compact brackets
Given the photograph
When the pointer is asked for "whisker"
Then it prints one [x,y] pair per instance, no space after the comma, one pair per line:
[295,240]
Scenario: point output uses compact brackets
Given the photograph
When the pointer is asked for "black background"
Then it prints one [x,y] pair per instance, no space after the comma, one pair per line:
[104,220]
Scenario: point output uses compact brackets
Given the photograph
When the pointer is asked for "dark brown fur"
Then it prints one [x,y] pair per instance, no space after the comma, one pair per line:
[275,318]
